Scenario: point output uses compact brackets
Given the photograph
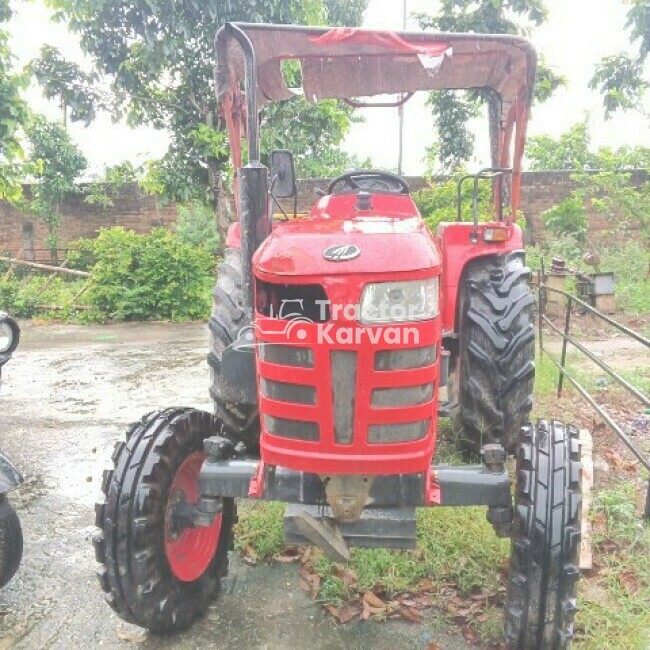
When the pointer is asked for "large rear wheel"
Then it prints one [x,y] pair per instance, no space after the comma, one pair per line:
[156,573]
[544,562]
[226,323]
[493,371]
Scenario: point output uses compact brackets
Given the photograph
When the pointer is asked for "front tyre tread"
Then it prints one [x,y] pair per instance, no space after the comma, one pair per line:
[134,572]
[544,563]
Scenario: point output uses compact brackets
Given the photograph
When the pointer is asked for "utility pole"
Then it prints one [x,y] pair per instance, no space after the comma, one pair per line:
[400,110]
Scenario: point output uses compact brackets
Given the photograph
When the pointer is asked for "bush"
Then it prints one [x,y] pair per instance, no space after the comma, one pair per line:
[439,201]
[151,276]
[196,226]
[26,297]
[568,218]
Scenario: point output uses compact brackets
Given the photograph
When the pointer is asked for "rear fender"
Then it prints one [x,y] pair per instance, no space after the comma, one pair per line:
[10,477]
[458,251]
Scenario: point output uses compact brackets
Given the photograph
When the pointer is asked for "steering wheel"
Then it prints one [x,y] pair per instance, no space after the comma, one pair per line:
[373,180]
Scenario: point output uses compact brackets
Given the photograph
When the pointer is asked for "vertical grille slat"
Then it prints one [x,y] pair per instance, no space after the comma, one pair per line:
[344,388]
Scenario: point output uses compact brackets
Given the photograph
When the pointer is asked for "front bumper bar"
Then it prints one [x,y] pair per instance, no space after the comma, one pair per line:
[472,485]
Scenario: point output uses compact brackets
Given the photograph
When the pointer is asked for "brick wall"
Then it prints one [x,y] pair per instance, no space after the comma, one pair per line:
[542,190]
[23,234]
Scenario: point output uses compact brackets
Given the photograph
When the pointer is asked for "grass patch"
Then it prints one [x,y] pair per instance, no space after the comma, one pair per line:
[614,610]
[546,376]
[259,533]
[628,260]
[457,549]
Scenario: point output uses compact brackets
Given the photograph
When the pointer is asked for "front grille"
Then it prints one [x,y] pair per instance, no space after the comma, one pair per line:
[410,396]
[403,432]
[285,392]
[295,429]
[335,407]
[405,359]
[344,388]
[286,355]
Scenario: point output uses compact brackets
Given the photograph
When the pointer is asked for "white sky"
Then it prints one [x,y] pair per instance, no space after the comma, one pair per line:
[577,35]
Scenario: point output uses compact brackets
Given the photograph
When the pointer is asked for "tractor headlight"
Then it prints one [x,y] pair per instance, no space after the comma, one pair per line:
[9,334]
[400,302]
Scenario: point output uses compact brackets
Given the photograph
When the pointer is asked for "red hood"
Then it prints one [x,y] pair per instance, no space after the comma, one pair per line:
[391,236]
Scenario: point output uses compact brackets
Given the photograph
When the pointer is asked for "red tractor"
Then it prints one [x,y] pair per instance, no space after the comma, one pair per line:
[331,337]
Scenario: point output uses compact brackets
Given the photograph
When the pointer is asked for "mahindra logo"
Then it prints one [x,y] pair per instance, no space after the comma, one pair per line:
[341,253]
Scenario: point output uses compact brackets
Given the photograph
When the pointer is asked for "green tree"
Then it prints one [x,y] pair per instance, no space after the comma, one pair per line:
[569,151]
[314,132]
[620,77]
[56,163]
[159,58]
[66,82]
[13,113]
[603,180]
[453,109]
[102,190]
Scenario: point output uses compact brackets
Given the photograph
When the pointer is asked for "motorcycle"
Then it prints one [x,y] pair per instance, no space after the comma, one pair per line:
[11,534]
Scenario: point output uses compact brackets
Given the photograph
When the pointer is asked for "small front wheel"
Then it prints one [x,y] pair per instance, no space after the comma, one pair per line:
[544,562]
[11,541]
[158,571]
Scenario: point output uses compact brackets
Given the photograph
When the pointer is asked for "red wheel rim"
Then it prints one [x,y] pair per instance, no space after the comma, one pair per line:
[190,552]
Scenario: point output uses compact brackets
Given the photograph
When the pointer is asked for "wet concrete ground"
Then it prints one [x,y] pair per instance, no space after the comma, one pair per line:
[66,398]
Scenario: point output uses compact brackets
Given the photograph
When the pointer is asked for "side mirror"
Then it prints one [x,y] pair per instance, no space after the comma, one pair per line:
[9,337]
[283,175]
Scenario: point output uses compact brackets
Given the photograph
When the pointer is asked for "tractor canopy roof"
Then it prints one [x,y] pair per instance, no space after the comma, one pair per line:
[348,63]
[343,62]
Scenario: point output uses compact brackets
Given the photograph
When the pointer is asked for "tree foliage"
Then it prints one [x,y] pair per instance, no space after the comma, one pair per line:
[438,201]
[620,78]
[56,163]
[604,183]
[159,57]
[102,190]
[13,113]
[571,150]
[66,82]
[453,109]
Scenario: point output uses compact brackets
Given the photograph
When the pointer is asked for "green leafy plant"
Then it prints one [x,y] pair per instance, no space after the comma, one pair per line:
[621,78]
[569,151]
[568,218]
[43,297]
[13,114]
[102,190]
[56,162]
[152,276]
[439,201]
[196,226]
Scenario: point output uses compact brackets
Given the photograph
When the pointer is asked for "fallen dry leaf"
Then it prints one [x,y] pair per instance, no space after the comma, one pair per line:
[619,463]
[426,585]
[424,601]
[348,611]
[628,580]
[373,600]
[409,613]
[470,635]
